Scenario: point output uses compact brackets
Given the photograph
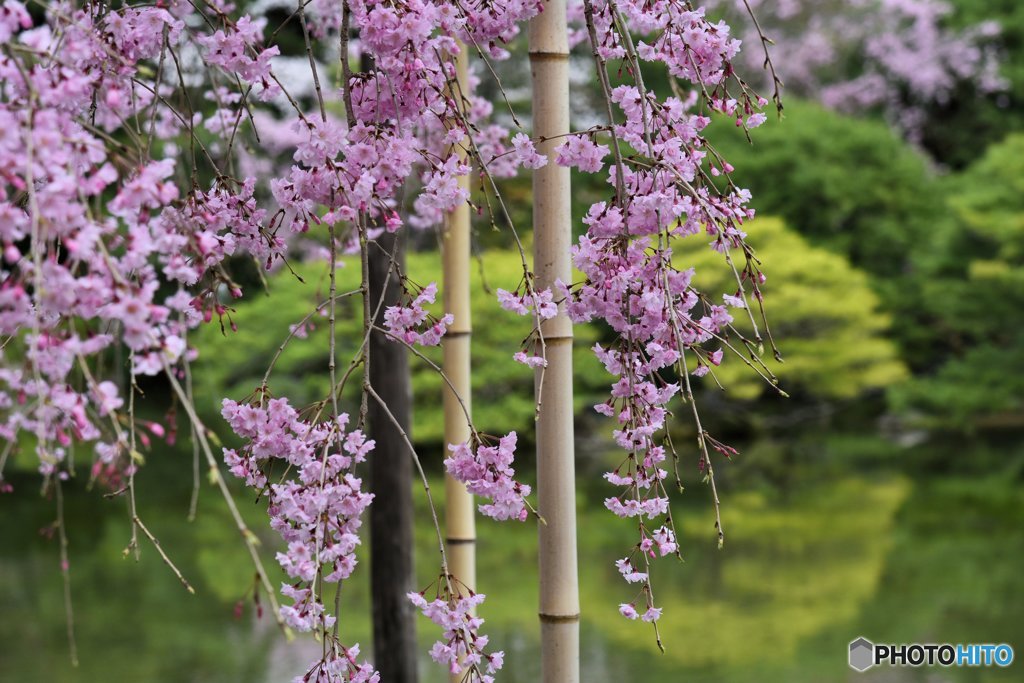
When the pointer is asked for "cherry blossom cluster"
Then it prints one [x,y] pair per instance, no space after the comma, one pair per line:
[653,543]
[408,322]
[487,472]
[76,281]
[315,503]
[407,117]
[526,153]
[339,664]
[683,40]
[663,174]
[461,648]
[237,50]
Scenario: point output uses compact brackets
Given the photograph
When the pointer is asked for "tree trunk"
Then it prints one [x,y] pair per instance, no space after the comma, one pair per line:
[556,491]
[460,525]
[391,515]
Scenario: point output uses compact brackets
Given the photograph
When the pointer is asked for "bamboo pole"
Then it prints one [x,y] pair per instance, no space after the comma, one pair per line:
[556,491]
[460,525]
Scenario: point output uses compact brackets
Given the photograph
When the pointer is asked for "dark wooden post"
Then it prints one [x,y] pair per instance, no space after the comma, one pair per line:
[392,572]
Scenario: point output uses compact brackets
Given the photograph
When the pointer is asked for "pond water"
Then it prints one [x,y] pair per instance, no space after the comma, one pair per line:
[886,556]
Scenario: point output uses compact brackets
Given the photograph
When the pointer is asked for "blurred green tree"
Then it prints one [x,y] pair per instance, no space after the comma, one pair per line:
[976,299]
[822,312]
[854,187]
[851,185]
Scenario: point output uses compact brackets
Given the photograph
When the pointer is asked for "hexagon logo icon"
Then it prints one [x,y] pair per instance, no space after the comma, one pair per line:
[862,654]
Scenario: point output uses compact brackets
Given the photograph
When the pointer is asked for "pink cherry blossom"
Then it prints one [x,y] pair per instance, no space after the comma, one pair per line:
[526,153]
[461,647]
[413,324]
[487,472]
[580,151]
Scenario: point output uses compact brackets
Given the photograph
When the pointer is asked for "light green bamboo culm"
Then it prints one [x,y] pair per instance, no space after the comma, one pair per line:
[556,495]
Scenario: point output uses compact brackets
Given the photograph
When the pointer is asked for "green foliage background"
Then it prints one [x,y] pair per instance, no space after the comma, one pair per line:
[233,363]
[823,309]
[977,302]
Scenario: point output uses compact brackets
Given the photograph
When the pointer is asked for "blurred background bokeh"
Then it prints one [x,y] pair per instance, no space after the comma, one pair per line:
[882,499]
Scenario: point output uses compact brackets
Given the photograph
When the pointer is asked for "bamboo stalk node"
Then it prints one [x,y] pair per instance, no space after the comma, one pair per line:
[460,541]
[552,56]
[558,618]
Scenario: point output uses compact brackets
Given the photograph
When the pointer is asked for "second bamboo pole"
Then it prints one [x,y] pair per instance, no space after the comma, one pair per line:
[460,524]
[552,224]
